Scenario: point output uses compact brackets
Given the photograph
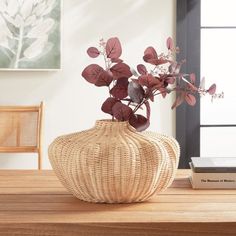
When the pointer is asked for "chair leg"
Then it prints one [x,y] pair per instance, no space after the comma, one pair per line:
[40,160]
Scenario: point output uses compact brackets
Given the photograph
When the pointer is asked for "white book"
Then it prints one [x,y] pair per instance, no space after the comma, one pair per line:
[213,180]
[214,164]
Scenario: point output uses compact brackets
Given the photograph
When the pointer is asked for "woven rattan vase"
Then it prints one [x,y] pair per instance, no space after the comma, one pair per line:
[113,163]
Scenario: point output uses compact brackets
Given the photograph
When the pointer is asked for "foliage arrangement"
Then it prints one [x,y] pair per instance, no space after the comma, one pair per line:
[130,91]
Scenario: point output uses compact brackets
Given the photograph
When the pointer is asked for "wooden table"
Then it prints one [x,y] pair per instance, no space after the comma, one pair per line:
[35,203]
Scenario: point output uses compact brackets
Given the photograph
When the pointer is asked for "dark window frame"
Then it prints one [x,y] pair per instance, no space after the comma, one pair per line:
[188,39]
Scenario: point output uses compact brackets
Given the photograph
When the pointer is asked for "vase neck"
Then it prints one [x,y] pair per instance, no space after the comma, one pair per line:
[113,126]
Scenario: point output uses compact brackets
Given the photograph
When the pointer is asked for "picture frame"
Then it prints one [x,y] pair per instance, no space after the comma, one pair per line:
[30,35]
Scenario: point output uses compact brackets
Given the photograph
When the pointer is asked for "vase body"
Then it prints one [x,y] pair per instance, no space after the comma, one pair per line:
[114,163]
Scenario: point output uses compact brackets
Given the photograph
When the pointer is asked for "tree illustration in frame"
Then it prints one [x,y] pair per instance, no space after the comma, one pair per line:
[30,34]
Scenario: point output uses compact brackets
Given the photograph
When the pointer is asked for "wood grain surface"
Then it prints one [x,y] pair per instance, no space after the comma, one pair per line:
[35,203]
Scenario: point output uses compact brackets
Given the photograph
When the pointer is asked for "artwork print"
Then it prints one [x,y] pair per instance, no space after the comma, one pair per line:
[30,34]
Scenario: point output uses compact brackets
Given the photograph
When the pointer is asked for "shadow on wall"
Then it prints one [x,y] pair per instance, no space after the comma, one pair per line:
[126,17]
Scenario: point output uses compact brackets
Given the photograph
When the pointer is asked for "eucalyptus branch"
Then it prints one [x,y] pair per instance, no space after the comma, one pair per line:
[140,104]
[129,91]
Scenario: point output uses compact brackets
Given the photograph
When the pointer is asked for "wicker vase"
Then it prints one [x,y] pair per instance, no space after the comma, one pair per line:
[113,163]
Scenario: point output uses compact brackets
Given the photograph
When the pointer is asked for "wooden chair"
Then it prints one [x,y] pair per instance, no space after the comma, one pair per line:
[21,130]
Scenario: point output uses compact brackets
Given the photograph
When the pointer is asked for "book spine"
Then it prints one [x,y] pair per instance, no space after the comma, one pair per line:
[213,180]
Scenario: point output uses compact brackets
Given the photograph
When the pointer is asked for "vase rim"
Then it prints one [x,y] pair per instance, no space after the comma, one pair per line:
[112,123]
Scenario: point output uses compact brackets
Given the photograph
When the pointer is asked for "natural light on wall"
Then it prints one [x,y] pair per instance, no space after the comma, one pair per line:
[218,47]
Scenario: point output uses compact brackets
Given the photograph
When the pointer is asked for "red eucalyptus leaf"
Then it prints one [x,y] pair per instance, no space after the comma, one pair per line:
[179,100]
[93,52]
[157,62]
[190,99]
[92,72]
[176,103]
[121,70]
[163,91]
[148,57]
[149,93]
[170,80]
[142,69]
[148,80]
[120,90]
[135,92]
[144,80]
[192,78]
[158,86]
[121,111]
[170,43]
[113,48]
[151,52]
[139,122]
[116,60]
[108,104]
[104,79]
[212,89]
[192,87]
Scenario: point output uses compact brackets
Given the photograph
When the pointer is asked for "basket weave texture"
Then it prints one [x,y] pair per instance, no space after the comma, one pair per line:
[113,163]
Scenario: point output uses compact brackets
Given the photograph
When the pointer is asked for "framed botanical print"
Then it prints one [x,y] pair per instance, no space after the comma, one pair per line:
[30,34]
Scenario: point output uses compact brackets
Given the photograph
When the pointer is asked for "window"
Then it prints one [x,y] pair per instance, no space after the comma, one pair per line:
[206,31]
[218,37]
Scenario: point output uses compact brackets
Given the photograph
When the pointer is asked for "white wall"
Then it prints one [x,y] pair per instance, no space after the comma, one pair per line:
[72,104]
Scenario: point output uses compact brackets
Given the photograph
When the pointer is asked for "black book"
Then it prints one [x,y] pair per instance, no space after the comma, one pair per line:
[214,164]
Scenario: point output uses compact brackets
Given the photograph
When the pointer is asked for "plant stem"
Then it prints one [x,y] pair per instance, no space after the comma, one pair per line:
[105,60]
[19,48]
[126,99]
[139,105]
[146,99]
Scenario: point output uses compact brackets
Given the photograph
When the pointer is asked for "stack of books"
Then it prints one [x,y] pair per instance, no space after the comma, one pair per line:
[213,173]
